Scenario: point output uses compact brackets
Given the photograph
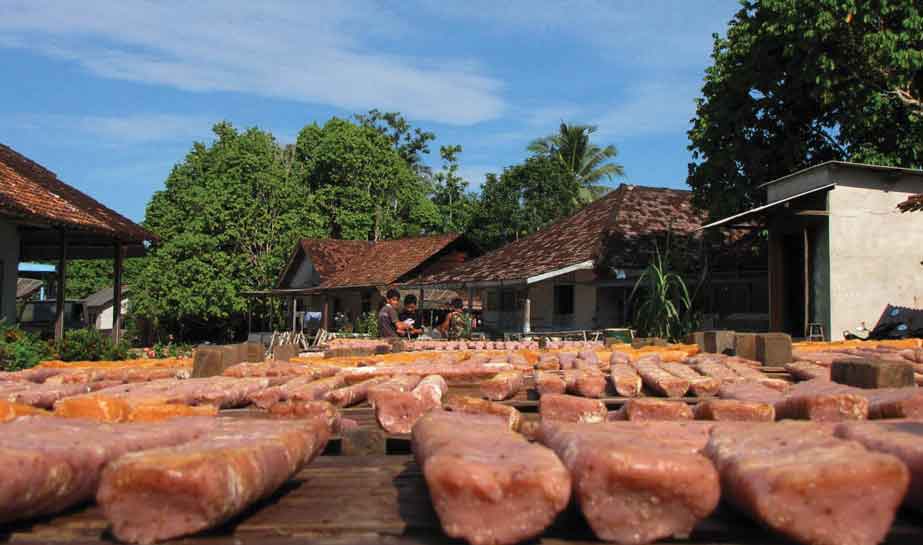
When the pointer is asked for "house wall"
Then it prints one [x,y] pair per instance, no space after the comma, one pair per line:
[305,276]
[104,318]
[799,183]
[9,263]
[875,250]
[541,295]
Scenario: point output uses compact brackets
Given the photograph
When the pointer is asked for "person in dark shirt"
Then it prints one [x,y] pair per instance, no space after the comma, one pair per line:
[409,312]
[389,325]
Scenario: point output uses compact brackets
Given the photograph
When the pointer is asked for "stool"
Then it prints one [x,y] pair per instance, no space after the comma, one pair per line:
[815,332]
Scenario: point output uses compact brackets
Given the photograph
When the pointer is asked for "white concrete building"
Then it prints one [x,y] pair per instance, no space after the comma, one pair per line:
[840,250]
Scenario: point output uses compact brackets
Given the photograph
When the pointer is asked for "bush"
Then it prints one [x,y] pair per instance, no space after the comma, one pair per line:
[20,350]
[367,324]
[170,350]
[90,345]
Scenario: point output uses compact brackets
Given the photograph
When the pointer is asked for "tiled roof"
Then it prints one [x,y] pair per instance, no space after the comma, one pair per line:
[352,263]
[28,191]
[914,203]
[103,297]
[630,214]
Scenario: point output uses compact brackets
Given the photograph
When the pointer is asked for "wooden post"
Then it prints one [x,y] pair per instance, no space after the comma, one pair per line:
[527,314]
[62,279]
[117,294]
[249,317]
[294,314]
[807,282]
[326,314]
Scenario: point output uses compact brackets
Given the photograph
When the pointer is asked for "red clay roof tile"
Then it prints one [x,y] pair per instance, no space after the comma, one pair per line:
[353,263]
[631,214]
[28,191]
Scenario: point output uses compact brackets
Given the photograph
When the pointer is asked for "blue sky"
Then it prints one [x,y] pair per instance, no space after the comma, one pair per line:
[110,94]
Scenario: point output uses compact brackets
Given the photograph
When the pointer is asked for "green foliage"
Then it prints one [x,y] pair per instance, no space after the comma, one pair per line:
[228,219]
[362,187]
[664,306]
[90,345]
[367,324]
[587,162]
[797,83]
[411,143]
[522,200]
[19,349]
[87,276]
[171,350]
[450,193]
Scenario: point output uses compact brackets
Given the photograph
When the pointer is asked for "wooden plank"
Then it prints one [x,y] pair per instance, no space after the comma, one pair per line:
[380,500]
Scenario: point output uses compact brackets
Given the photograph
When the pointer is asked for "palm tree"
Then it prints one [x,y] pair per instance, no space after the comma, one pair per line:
[587,162]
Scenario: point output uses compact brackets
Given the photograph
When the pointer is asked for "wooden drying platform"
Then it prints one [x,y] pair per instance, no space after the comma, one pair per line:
[382,500]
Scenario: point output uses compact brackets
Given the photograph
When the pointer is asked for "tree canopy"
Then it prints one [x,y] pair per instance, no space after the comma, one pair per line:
[228,219]
[587,162]
[522,200]
[797,83]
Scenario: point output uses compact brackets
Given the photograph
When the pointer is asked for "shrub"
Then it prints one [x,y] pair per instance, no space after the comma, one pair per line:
[90,345]
[367,324]
[19,349]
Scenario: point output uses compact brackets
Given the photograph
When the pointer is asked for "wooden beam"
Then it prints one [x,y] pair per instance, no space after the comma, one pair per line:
[807,281]
[117,294]
[62,280]
[326,313]
[811,213]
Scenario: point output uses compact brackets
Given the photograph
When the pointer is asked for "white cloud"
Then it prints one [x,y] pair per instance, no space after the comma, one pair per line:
[475,174]
[652,108]
[309,52]
[118,130]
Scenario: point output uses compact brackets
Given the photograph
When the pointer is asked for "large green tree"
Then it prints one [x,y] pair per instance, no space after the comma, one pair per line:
[522,200]
[227,219]
[412,143]
[87,276]
[363,188]
[450,193]
[587,162]
[796,83]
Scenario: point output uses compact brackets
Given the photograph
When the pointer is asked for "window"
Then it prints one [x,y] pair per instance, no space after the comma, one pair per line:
[564,299]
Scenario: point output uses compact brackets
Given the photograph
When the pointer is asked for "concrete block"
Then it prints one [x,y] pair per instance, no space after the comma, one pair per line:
[745,345]
[250,352]
[210,361]
[774,348]
[868,373]
[285,352]
[697,338]
[363,442]
[719,342]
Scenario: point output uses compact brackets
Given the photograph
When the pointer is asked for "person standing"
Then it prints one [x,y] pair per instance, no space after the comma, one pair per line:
[410,316]
[454,325]
[389,326]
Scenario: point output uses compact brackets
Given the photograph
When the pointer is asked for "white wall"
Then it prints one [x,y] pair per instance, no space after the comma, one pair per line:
[9,256]
[104,319]
[542,297]
[875,250]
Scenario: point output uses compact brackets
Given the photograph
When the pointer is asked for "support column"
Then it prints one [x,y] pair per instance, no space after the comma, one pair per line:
[325,321]
[294,314]
[527,314]
[62,279]
[117,294]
